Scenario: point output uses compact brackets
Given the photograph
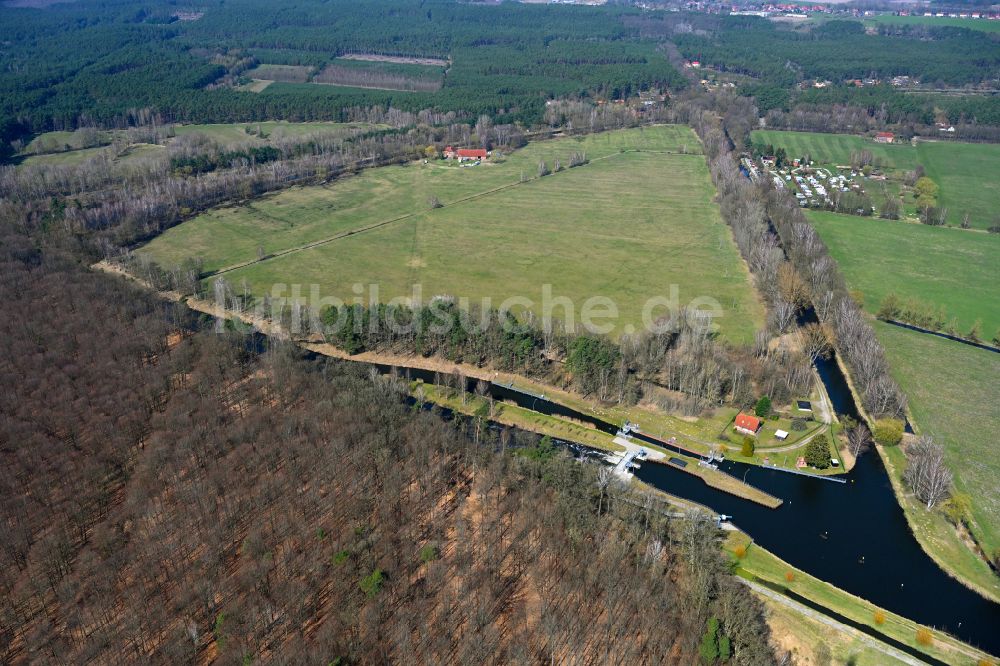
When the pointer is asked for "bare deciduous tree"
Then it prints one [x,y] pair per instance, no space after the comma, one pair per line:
[926,473]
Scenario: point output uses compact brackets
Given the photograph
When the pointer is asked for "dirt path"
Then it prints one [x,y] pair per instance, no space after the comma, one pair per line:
[830,622]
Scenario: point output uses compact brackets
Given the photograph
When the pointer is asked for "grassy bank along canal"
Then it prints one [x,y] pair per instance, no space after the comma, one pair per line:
[561,428]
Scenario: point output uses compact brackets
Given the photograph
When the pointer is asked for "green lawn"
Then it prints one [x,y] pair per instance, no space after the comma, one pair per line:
[626,226]
[834,149]
[969,177]
[968,174]
[952,392]
[945,267]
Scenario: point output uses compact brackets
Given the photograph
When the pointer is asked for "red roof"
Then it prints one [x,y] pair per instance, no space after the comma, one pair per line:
[885,135]
[472,152]
[751,423]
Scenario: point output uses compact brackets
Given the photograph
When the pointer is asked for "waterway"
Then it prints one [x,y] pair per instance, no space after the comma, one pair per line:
[853,535]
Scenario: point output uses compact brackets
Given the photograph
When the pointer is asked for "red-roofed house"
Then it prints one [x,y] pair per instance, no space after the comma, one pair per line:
[746,424]
[463,154]
[884,137]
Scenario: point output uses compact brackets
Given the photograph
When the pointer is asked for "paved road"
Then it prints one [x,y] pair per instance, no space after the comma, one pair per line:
[830,622]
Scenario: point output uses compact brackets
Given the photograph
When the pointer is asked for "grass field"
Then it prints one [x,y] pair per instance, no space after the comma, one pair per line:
[969,177]
[967,174]
[765,566]
[74,157]
[836,148]
[635,220]
[946,267]
[240,132]
[39,150]
[936,22]
[952,393]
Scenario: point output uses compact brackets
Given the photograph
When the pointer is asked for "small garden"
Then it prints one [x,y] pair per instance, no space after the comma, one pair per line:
[806,438]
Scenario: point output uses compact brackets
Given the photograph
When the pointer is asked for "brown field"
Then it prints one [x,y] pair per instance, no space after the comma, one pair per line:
[399,60]
[354,77]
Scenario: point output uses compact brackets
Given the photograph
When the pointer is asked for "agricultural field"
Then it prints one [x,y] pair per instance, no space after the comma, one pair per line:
[286,73]
[834,149]
[948,268]
[635,220]
[935,22]
[967,174]
[349,72]
[75,157]
[951,388]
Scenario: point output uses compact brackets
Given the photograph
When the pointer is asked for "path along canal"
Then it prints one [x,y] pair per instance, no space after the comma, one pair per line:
[853,535]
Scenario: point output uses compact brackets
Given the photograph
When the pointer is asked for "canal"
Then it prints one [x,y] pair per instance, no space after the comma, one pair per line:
[853,535]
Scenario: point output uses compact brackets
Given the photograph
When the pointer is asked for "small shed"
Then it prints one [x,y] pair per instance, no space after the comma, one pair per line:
[781,434]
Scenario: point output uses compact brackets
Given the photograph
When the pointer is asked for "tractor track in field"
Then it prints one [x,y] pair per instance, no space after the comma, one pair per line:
[384,223]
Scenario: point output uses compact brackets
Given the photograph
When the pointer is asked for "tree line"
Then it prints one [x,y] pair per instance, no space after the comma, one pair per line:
[175,495]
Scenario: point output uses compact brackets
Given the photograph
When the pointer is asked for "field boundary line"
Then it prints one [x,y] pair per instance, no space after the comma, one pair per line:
[383,223]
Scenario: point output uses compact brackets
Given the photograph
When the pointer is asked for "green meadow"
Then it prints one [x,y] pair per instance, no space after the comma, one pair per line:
[635,220]
[836,149]
[950,268]
[64,148]
[951,388]
[936,22]
[968,174]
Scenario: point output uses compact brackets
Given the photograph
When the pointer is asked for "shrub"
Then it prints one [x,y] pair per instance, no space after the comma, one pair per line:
[763,407]
[748,446]
[428,553]
[879,617]
[888,432]
[372,583]
[725,648]
[709,649]
[924,637]
[789,576]
[798,425]
[740,551]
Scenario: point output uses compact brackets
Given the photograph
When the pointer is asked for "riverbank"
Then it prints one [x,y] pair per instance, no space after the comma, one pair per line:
[938,537]
[931,530]
[697,434]
[966,605]
[758,564]
[561,428]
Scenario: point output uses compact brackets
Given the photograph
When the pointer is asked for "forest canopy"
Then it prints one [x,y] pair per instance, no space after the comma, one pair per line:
[79,63]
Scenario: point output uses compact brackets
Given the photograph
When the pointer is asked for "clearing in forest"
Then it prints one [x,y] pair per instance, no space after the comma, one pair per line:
[73,148]
[635,220]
